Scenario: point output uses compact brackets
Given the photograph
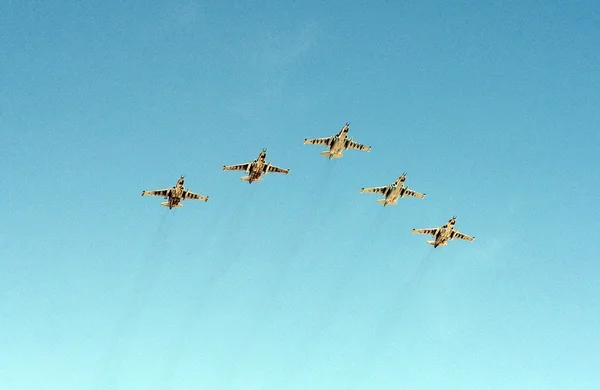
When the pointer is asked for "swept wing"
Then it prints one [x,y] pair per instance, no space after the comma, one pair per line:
[409,192]
[431,232]
[319,141]
[355,145]
[375,190]
[238,167]
[190,195]
[163,193]
[461,236]
[273,169]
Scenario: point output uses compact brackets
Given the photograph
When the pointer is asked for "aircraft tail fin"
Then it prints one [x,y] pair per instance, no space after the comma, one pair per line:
[381,201]
[431,242]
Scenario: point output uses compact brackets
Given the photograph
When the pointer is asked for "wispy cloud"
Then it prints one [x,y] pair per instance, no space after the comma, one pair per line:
[283,48]
[272,56]
[183,17]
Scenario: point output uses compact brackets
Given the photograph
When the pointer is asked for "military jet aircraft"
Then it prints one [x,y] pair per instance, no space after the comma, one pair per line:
[393,191]
[337,143]
[255,169]
[443,234]
[175,195]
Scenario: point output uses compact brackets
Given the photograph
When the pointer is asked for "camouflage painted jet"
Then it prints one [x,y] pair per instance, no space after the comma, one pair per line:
[175,195]
[443,234]
[255,169]
[393,191]
[337,143]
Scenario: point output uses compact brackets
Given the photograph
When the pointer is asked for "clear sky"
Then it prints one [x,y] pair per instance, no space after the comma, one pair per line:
[300,281]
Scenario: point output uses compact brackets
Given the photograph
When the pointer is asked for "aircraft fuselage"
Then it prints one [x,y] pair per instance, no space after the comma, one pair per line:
[338,144]
[394,192]
[174,196]
[174,202]
[443,236]
[441,239]
[256,168]
[255,172]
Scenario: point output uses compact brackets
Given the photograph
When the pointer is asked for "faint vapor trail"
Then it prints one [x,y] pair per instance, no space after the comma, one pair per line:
[110,369]
[384,215]
[217,268]
[328,174]
[288,254]
[399,302]
[302,222]
[414,282]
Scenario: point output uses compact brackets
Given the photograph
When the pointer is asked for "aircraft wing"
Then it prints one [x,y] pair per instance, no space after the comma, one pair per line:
[238,167]
[459,235]
[190,195]
[355,145]
[318,141]
[273,169]
[164,193]
[415,194]
[431,232]
[375,190]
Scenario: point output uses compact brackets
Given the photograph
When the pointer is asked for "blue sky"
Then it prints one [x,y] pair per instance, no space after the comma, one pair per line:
[300,281]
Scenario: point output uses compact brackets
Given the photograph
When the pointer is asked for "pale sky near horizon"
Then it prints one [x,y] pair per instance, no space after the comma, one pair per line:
[299,281]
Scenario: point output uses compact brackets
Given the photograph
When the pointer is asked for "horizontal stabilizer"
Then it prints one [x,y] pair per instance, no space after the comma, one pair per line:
[166,204]
[440,244]
[247,178]
[331,155]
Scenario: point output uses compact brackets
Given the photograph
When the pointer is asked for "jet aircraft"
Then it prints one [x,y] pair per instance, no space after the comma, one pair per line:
[175,195]
[443,234]
[393,192]
[255,169]
[337,143]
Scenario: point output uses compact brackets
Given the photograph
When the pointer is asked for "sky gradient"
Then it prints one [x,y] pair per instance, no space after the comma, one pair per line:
[299,281]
